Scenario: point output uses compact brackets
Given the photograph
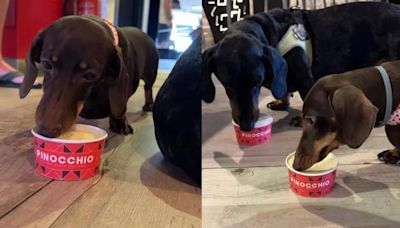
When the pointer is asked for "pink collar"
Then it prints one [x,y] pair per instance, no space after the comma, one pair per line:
[113,30]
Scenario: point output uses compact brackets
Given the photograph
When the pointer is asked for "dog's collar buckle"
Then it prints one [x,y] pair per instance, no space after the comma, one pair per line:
[113,30]
[296,36]
[300,32]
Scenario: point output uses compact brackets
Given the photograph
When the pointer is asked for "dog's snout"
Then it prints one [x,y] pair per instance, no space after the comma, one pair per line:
[297,166]
[246,125]
[302,161]
[50,132]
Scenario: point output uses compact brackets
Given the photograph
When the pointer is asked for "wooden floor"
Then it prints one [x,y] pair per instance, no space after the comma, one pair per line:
[248,186]
[136,188]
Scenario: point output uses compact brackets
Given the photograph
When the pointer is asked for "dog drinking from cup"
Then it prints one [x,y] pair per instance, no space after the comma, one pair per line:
[91,68]
[289,50]
[343,109]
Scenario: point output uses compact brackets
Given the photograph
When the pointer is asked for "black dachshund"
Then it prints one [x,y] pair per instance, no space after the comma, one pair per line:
[177,113]
[343,38]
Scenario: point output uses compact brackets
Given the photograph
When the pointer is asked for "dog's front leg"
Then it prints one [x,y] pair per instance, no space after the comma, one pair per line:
[280,104]
[299,73]
[392,156]
[120,125]
[299,77]
[119,92]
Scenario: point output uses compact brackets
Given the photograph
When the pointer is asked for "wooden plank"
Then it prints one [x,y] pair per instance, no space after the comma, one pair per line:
[43,207]
[274,153]
[220,148]
[248,186]
[16,115]
[137,177]
[17,176]
[34,201]
[10,99]
[38,199]
[364,196]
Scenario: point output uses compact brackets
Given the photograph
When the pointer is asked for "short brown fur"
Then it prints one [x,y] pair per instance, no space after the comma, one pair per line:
[347,106]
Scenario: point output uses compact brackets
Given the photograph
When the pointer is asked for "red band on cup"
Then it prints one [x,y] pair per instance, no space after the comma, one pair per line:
[60,160]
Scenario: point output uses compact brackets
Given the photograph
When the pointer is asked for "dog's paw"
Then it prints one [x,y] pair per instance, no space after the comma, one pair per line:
[120,126]
[388,157]
[296,121]
[148,107]
[278,105]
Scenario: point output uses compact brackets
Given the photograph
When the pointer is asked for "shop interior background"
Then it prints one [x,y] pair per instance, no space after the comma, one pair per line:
[173,24]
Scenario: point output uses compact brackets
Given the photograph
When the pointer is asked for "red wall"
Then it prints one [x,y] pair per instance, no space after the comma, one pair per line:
[25,18]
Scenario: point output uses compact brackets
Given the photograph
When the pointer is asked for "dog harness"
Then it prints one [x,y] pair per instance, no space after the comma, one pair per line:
[296,36]
[395,117]
[390,118]
[113,30]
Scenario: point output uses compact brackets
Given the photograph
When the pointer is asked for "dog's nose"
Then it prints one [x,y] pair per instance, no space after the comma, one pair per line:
[49,132]
[297,166]
[246,125]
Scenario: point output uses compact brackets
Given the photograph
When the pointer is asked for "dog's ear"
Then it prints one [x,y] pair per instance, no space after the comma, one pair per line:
[208,66]
[118,84]
[276,66]
[32,58]
[355,114]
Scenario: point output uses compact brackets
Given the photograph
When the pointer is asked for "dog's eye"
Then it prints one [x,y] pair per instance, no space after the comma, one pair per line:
[47,65]
[89,76]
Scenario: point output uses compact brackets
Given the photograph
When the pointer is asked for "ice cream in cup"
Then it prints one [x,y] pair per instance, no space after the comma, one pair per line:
[260,134]
[74,155]
[316,181]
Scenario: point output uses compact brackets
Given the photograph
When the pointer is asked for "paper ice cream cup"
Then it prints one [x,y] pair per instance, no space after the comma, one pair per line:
[259,135]
[70,159]
[312,183]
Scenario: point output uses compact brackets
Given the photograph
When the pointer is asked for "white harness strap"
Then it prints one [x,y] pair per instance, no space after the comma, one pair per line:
[293,39]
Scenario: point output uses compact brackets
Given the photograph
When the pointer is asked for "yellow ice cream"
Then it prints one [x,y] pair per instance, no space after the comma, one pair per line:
[77,135]
[328,163]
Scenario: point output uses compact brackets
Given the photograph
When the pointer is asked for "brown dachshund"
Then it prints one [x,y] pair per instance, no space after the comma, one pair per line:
[91,69]
[343,109]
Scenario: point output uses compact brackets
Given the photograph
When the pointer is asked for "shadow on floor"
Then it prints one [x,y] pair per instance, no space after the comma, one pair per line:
[350,218]
[219,120]
[105,124]
[215,122]
[354,185]
[21,143]
[174,179]
[283,124]
[349,185]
